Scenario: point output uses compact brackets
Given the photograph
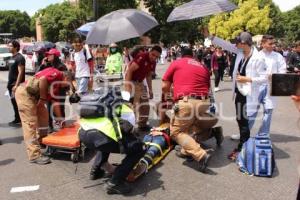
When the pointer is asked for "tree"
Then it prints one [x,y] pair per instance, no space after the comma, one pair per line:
[59,21]
[105,6]
[174,31]
[248,17]
[15,22]
[292,25]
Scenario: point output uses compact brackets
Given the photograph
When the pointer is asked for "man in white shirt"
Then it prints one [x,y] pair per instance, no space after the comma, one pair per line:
[82,63]
[275,64]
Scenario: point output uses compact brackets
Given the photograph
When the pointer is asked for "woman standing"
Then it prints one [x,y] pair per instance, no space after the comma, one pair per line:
[218,62]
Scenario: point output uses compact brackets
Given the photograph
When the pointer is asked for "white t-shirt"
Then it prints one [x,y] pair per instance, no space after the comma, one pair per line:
[82,68]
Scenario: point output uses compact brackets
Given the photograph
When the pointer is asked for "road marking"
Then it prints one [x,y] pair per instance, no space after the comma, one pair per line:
[24,189]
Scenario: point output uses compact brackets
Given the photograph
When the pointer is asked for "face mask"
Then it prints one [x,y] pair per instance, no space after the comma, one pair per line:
[240,50]
[113,50]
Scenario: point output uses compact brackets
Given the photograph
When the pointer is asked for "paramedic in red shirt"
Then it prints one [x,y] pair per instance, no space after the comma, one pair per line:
[34,113]
[141,68]
[191,82]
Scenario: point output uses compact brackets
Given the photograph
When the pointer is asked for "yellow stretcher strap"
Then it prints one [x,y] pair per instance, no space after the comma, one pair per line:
[156,145]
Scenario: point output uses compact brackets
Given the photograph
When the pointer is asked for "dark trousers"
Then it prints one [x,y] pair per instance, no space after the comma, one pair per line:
[133,148]
[217,77]
[221,72]
[14,104]
[242,119]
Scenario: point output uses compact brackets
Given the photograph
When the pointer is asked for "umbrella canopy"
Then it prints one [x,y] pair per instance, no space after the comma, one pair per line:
[43,45]
[120,25]
[200,8]
[85,28]
[63,45]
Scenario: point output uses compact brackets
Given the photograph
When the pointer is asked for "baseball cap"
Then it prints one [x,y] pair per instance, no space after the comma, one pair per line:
[53,52]
[244,37]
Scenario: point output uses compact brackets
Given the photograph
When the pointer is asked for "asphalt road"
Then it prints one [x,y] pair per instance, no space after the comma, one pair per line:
[173,178]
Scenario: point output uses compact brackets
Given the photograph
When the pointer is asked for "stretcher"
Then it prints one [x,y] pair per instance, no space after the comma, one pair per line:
[65,140]
[149,161]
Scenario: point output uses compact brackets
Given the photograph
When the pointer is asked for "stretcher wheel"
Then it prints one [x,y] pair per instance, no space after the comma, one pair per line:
[75,157]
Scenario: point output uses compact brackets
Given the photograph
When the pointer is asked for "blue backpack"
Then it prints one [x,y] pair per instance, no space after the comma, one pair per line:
[257,157]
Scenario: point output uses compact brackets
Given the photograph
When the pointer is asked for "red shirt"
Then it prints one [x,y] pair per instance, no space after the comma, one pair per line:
[189,77]
[52,75]
[145,66]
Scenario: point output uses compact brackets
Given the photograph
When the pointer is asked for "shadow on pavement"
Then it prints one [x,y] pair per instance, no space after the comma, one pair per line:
[17,140]
[194,165]
[280,138]
[7,161]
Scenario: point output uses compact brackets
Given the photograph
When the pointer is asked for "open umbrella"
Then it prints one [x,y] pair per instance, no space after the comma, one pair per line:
[120,25]
[43,45]
[85,28]
[200,8]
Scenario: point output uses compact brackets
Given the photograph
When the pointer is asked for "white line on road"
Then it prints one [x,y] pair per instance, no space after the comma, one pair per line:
[25,189]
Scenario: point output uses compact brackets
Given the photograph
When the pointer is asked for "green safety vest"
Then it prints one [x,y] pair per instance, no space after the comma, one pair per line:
[104,124]
[114,63]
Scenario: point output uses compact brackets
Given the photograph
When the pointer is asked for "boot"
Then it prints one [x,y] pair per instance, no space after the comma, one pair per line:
[117,188]
[96,173]
[217,132]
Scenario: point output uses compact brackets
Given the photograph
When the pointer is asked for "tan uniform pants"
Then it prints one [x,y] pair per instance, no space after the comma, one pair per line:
[141,104]
[186,120]
[34,122]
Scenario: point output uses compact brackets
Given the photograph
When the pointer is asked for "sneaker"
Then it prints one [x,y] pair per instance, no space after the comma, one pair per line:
[117,188]
[217,89]
[42,160]
[235,137]
[233,155]
[204,162]
[218,134]
[96,173]
[15,123]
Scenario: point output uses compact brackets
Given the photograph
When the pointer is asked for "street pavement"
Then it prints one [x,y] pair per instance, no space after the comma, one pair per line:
[173,178]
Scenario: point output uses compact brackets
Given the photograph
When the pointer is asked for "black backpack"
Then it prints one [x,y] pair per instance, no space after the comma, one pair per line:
[102,102]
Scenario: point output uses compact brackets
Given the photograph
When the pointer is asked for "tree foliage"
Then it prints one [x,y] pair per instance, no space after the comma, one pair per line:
[174,31]
[60,20]
[105,6]
[292,25]
[251,16]
[15,22]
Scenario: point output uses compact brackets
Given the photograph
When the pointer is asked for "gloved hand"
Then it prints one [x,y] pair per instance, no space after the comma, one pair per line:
[74,98]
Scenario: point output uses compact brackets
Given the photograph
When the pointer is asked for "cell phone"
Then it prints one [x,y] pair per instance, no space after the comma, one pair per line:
[285,84]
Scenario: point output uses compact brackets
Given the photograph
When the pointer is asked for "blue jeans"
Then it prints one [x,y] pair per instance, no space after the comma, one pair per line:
[264,129]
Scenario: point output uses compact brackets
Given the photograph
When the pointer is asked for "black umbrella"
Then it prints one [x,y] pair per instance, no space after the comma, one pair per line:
[120,25]
[200,8]
[43,45]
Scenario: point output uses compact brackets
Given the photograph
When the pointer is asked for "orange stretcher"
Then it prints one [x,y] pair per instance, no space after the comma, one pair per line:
[65,140]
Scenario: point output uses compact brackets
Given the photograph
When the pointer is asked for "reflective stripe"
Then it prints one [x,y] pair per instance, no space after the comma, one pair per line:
[102,124]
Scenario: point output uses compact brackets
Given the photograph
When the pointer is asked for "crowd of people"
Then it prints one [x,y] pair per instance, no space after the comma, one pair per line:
[38,102]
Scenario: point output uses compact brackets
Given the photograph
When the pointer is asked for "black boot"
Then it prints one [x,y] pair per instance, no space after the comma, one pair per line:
[96,173]
[117,188]
[217,132]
